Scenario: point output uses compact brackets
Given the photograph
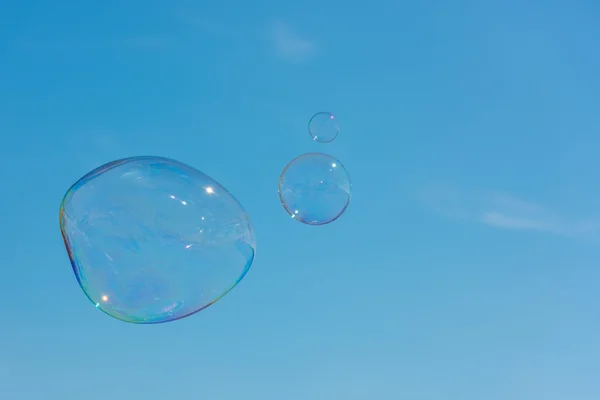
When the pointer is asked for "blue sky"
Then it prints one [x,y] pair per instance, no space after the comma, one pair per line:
[466,266]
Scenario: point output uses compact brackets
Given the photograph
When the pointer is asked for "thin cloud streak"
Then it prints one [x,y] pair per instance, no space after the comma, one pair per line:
[503,211]
[500,220]
[288,45]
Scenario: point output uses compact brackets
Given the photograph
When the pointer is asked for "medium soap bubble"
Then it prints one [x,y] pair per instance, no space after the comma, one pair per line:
[154,240]
[314,188]
[323,127]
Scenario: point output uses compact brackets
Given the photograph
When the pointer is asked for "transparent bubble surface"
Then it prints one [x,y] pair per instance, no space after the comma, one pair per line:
[314,188]
[153,240]
[323,127]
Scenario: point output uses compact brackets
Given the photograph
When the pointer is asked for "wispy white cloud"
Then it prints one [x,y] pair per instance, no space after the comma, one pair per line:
[503,211]
[289,45]
[502,220]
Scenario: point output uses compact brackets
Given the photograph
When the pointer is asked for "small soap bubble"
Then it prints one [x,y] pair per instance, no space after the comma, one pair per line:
[314,189]
[153,240]
[323,127]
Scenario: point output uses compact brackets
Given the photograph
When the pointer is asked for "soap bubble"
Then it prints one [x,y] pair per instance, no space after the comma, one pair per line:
[323,127]
[314,188]
[154,240]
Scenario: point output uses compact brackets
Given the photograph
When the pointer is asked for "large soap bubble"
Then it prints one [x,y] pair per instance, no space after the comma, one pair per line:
[314,188]
[154,240]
